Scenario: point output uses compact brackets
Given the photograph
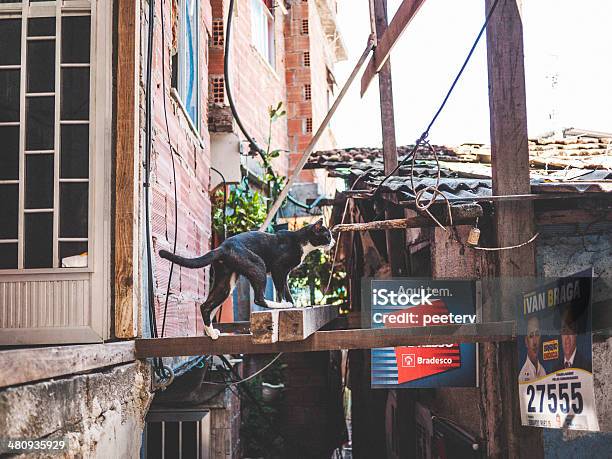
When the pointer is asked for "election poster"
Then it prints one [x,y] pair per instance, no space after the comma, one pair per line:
[555,378]
[408,303]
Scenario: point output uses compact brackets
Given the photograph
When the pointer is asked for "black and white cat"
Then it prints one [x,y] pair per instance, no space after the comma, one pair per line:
[254,254]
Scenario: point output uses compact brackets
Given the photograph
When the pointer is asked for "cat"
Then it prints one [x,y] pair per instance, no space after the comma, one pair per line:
[254,254]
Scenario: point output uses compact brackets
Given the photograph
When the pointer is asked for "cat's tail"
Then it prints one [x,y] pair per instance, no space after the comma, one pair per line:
[192,263]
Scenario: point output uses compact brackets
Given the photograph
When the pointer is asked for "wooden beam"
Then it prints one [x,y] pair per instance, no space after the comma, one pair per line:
[514,223]
[395,241]
[292,324]
[464,216]
[264,326]
[387,40]
[328,340]
[21,366]
[297,324]
[126,243]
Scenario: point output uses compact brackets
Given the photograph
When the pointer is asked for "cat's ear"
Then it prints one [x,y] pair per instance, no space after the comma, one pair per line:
[318,224]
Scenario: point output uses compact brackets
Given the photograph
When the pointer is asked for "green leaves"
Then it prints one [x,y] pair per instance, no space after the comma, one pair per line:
[246,209]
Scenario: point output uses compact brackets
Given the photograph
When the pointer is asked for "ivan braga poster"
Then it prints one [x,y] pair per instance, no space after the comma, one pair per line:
[407,303]
[555,359]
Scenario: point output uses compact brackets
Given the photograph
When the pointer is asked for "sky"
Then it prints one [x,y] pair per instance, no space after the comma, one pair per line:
[568,71]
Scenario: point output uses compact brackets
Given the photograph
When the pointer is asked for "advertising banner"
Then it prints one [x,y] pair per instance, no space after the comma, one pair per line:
[404,303]
[555,355]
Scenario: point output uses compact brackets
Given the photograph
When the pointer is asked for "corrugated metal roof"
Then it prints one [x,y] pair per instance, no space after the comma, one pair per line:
[573,165]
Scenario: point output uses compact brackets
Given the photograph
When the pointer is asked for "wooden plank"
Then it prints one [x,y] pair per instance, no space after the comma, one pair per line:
[387,40]
[298,324]
[21,366]
[126,245]
[329,340]
[572,216]
[465,216]
[514,223]
[264,326]
[234,327]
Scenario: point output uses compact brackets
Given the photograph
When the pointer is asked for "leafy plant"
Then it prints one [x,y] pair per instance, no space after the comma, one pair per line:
[246,209]
[313,276]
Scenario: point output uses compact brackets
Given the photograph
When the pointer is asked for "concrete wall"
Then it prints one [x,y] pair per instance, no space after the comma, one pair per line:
[101,414]
[563,250]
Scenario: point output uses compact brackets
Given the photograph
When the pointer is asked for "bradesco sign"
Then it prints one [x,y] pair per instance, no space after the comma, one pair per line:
[404,303]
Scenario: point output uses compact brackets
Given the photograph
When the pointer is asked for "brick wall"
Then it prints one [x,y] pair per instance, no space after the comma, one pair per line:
[255,84]
[192,160]
[306,72]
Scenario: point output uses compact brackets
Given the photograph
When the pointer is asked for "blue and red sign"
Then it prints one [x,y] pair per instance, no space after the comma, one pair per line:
[404,303]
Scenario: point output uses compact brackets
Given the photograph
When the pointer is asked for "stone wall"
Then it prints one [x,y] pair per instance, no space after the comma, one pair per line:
[101,414]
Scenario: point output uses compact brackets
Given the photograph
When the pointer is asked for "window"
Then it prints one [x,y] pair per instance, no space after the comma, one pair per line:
[262,30]
[185,63]
[177,433]
[52,169]
[306,58]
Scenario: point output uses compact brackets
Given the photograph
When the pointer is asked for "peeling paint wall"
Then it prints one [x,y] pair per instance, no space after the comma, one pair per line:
[563,250]
[101,414]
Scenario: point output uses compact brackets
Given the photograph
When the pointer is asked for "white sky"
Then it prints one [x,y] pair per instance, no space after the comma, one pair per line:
[563,38]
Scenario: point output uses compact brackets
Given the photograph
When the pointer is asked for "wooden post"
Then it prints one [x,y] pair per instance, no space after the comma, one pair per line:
[126,242]
[514,223]
[395,240]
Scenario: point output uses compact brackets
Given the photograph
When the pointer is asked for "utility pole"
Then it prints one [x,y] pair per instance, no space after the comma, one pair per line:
[395,239]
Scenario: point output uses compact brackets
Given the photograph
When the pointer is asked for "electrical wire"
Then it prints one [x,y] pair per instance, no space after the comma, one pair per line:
[172,152]
[258,372]
[425,133]
[253,145]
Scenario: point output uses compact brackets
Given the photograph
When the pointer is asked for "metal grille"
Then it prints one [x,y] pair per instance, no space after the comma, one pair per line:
[177,434]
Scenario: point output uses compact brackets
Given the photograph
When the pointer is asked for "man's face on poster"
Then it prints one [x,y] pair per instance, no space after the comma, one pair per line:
[568,342]
[532,340]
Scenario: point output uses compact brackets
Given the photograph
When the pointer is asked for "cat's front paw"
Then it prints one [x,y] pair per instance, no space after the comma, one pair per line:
[214,334]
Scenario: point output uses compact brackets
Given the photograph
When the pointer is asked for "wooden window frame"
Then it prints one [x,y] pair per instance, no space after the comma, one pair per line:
[268,54]
[97,272]
[182,64]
